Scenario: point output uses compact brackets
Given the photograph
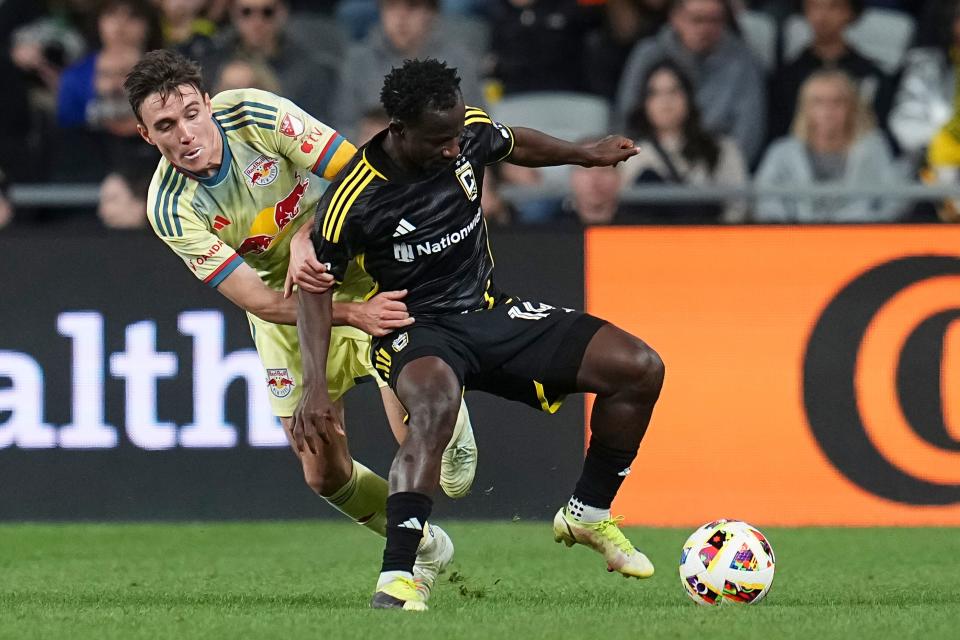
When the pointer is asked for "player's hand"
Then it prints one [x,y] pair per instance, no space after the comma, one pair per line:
[316,421]
[382,314]
[610,151]
[304,269]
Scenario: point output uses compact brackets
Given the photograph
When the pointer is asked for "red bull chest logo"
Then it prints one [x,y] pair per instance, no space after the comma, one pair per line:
[262,171]
[280,382]
[272,220]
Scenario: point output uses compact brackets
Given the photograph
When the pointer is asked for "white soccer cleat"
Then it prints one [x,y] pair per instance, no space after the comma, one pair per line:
[605,538]
[433,557]
[459,463]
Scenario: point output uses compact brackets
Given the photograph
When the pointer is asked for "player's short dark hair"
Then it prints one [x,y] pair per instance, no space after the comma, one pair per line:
[419,86]
[160,71]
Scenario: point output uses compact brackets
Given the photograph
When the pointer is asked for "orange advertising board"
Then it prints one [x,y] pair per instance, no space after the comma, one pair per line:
[813,374]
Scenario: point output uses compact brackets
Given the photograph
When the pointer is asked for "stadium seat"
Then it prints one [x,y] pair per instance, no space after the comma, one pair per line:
[319,31]
[472,33]
[759,31]
[880,34]
[566,115]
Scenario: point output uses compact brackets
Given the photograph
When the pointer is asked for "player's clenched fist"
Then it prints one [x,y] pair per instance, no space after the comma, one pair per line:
[382,314]
[304,270]
[315,421]
[609,151]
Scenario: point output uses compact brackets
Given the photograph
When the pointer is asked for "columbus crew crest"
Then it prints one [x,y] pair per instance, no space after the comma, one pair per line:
[467,180]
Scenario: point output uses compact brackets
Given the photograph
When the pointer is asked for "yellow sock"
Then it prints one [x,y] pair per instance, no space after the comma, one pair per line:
[363,499]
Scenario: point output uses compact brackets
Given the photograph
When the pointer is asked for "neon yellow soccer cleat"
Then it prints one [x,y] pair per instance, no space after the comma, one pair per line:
[605,538]
[399,593]
[459,463]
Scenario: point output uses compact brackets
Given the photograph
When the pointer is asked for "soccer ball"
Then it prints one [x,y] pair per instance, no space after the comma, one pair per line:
[727,560]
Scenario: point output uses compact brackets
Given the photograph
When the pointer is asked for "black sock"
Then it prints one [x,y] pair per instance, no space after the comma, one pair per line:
[604,470]
[407,514]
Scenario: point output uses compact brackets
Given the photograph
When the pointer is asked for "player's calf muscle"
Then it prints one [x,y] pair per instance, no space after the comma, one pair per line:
[329,469]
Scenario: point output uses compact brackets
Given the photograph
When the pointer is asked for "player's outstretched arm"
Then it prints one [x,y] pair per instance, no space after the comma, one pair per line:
[315,419]
[245,289]
[532,148]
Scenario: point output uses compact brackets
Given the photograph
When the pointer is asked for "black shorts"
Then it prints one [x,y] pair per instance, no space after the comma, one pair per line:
[524,351]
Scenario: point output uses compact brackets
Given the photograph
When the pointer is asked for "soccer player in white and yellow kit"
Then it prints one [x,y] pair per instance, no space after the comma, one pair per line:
[240,174]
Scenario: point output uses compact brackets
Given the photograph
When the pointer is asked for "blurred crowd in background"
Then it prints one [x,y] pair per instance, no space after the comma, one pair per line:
[773,93]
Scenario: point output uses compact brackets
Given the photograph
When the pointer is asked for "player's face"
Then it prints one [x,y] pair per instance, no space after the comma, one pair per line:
[434,141]
[182,128]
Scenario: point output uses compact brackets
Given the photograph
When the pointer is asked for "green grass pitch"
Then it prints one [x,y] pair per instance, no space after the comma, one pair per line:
[313,580]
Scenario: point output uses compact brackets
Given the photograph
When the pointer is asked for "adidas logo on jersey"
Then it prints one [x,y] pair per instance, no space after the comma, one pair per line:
[403,228]
[411,523]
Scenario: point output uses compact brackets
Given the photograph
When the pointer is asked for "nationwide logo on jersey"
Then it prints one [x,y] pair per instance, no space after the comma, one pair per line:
[291,126]
[502,129]
[280,382]
[402,252]
[262,171]
[467,180]
[272,220]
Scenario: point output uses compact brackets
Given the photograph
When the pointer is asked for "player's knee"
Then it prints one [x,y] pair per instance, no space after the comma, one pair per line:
[644,372]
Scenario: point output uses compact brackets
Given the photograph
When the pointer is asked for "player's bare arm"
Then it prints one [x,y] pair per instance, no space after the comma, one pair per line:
[378,316]
[315,420]
[534,148]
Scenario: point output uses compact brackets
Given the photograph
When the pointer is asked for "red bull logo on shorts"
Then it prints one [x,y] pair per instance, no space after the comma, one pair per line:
[262,171]
[280,382]
[272,220]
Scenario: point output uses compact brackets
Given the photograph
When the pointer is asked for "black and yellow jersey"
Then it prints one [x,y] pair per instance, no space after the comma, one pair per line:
[423,234]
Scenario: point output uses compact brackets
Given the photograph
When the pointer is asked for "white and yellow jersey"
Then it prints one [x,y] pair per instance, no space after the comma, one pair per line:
[277,162]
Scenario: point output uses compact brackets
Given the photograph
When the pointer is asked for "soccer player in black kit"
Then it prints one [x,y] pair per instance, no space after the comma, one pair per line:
[408,205]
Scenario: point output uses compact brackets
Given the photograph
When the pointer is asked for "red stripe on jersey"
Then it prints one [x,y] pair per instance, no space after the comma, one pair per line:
[222,267]
[323,152]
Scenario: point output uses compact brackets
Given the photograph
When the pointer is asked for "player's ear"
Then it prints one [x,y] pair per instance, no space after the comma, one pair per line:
[142,130]
[207,102]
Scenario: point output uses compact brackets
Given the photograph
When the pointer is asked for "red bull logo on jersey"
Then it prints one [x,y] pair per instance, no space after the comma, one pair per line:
[280,382]
[262,171]
[272,220]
